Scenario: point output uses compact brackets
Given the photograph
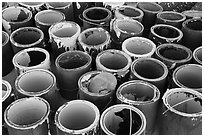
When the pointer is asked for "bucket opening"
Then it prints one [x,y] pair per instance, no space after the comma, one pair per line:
[59,4]
[191,106]
[4,90]
[25,113]
[129,26]
[167,32]
[30,58]
[199,55]
[94,37]
[32,3]
[73,60]
[130,12]
[65,31]
[190,76]
[171,16]
[149,69]
[150,6]
[173,53]
[138,92]
[50,17]
[107,59]
[139,47]
[194,25]
[27,36]
[77,116]
[35,81]
[117,121]
[4,38]
[96,14]
[15,15]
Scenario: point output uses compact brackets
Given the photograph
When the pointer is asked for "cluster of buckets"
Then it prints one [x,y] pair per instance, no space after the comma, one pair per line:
[91,68]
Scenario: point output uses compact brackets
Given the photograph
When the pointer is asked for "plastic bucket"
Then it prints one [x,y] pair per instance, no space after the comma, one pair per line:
[197,55]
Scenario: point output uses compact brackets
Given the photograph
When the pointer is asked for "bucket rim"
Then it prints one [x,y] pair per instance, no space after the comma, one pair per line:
[8,89]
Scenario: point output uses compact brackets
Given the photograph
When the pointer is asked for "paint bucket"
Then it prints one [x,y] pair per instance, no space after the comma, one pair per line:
[63,36]
[44,19]
[7,97]
[77,117]
[129,12]
[122,119]
[70,66]
[38,83]
[173,55]
[96,17]
[197,55]
[150,10]
[112,5]
[144,96]
[138,47]
[150,70]
[16,17]
[122,29]
[192,33]
[171,18]
[192,14]
[120,67]
[64,7]
[93,41]
[26,37]
[188,76]
[27,116]
[7,55]
[182,112]
[161,33]
[100,99]
[34,7]
[31,58]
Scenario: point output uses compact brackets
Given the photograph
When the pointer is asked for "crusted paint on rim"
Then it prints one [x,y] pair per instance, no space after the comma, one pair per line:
[80,131]
[123,106]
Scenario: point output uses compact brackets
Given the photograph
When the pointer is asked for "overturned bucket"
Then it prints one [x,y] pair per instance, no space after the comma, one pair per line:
[31,58]
[122,119]
[138,47]
[144,96]
[188,76]
[182,112]
[27,116]
[197,55]
[77,117]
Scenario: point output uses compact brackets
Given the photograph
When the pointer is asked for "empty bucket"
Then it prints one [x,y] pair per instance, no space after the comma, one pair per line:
[27,116]
[31,58]
[182,112]
[77,117]
[188,76]
[197,55]
[138,47]
[122,119]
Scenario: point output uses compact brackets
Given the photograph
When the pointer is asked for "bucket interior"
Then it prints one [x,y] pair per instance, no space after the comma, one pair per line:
[139,47]
[30,58]
[189,107]
[27,112]
[50,17]
[96,14]
[199,54]
[32,3]
[73,60]
[130,12]
[77,116]
[15,15]
[190,76]
[149,6]
[194,25]
[4,38]
[166,32]
[94,37]
[35,81]
[129,27]
[27,36]
[171,16]
[65,31]
[173,53]
[113,60]
[138,92]
[149,69]
[117,121]
[59,4]
[4,90]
